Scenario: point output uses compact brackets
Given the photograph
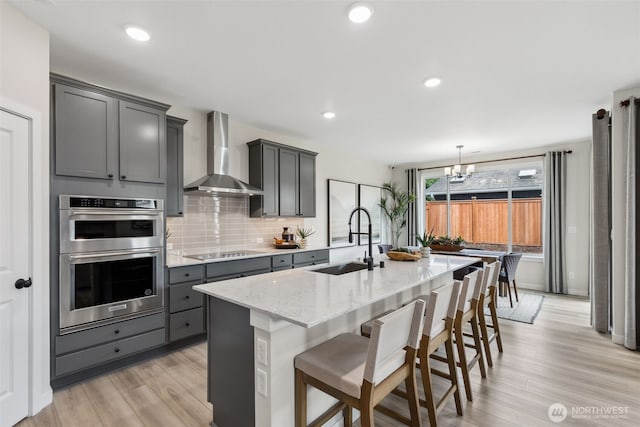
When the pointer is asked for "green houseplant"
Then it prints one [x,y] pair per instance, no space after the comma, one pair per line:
[394,206]
[425,240]
[303,233]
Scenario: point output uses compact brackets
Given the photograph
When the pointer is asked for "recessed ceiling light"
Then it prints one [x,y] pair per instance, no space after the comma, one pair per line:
[328,114]
[138,34]
[359,12]
[432,82]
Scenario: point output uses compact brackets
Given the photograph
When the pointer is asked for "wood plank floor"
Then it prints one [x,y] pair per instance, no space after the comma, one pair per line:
[557,359]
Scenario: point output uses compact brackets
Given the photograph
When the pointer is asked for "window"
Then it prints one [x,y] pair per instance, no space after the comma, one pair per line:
[494,209]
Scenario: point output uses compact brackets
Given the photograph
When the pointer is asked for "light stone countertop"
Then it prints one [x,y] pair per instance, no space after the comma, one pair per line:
[307,298]
[181,261]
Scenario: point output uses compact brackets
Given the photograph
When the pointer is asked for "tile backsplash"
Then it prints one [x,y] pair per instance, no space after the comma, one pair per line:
[222,223]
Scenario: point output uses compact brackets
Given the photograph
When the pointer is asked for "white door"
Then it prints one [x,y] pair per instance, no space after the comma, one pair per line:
[14,265]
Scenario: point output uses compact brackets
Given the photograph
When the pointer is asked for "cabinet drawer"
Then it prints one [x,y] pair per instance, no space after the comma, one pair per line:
[183,297]
[191,273]
[107,352]
[240,266]
[103,334]
[186,324]
[281,261]
[311,257]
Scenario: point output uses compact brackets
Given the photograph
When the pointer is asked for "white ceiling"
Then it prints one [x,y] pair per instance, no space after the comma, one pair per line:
[515,74]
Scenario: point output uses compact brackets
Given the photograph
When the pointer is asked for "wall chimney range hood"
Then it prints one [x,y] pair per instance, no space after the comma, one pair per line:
[217,181]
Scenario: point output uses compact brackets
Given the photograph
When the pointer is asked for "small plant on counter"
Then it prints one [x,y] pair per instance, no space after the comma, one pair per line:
[426,239]
[303,233]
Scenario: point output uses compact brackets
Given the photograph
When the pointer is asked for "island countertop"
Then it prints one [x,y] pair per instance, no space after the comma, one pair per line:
[307,298]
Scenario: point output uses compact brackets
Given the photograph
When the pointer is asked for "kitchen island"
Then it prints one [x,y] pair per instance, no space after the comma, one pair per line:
[258,324]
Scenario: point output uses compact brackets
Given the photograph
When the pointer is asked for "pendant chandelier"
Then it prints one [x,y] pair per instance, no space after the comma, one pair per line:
[456,170]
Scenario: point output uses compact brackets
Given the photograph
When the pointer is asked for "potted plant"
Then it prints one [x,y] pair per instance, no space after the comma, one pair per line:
[425,240]
[394,205]
[446,243]
[303,233]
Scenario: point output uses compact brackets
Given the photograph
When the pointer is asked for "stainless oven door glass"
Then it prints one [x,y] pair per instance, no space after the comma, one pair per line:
[100,286]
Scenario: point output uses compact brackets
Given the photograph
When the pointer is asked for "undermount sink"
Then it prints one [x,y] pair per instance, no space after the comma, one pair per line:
[342,268]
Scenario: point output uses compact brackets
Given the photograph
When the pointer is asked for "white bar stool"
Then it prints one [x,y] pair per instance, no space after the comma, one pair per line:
[488,304]
[360,372]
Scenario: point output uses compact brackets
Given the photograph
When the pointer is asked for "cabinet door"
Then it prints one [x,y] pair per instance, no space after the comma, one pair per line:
[175,190]
[269,180]
[307,191]
[288,160]
[142,143]
[85,133]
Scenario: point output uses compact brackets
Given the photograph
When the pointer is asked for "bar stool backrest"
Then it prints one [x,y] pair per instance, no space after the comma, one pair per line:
[442,305]
[493,280]
[486,278]
[477,285]
[466,292]
[390,334]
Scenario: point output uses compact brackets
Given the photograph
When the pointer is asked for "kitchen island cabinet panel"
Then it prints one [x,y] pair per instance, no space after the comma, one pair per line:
[85,133]
[175,160]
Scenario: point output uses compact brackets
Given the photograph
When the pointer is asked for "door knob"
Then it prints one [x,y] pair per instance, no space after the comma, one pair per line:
[21,283]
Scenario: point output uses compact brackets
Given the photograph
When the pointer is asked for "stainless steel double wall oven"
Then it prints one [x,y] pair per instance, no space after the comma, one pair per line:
[111,259]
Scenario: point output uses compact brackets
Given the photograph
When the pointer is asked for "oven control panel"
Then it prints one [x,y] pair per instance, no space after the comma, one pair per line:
[111,203]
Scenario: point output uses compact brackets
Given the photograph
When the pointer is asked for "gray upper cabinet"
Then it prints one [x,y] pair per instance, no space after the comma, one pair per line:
[142,143]
[85,133]
[175,175]
[289,173]
[105,134]
[287,177]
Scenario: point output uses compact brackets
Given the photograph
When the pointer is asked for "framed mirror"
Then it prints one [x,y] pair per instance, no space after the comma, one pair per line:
[369,198]
[342,200]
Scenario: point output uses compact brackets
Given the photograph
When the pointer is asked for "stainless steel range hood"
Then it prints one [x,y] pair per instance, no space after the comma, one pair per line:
[217,181]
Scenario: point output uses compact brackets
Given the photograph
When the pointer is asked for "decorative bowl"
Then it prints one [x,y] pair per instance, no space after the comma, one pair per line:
[404,256]
[446,248]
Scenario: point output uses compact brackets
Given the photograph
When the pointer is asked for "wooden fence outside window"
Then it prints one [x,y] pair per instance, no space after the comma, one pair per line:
[487,221]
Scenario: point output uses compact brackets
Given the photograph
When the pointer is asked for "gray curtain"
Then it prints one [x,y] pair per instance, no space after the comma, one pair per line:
[555,171]
[412,213]
[629,143]
[600,223]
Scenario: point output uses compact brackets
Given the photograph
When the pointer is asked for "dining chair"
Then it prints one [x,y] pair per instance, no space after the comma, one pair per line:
[488,299]
[384,248]
[508,273]
[360,372]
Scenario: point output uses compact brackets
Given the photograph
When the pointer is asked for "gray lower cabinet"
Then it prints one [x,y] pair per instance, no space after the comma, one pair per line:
[217,271]
[105,134]
[175,175]
[303,259]
[186,306]
[92,347]
[287,177]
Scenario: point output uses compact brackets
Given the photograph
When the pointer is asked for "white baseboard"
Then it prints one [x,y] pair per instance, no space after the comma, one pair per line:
[617,338]
[41,402]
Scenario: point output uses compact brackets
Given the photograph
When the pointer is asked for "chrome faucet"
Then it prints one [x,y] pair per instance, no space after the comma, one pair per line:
[369,233]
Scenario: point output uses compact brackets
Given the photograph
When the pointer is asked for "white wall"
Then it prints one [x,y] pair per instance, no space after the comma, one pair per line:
[618,165]
[530,273]
[24,87]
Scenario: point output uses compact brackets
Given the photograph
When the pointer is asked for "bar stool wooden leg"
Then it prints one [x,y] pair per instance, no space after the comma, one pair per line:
[462,357]
[347,416]
[451,361]
[485,335]
[412,390]
[496,327]
[301,400]
[478,345]
[425,370]
[366,406]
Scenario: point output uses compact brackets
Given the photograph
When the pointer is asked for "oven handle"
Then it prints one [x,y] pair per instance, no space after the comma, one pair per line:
[109,254]
[150,212]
